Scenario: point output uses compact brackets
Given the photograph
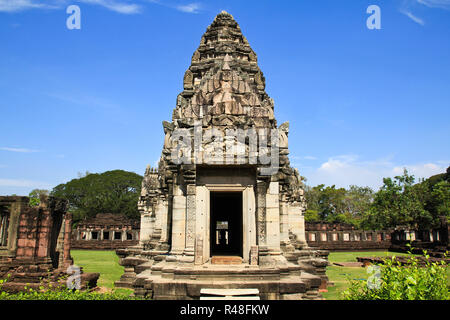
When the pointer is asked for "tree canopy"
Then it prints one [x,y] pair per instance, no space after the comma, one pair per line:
[399,202]
[333,205]
[114,191]
[37,195]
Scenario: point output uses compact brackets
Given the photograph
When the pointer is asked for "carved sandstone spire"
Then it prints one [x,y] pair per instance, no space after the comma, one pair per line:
[224,80]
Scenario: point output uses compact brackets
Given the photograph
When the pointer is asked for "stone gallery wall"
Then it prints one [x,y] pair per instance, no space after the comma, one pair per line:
[435,241]
[344,237]
[339,236]
[106,231]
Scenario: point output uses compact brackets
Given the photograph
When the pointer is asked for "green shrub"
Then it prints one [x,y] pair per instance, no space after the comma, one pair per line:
[403,282]
[47,292]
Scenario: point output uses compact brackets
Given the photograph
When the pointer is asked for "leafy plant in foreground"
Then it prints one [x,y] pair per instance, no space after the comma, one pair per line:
[404,282]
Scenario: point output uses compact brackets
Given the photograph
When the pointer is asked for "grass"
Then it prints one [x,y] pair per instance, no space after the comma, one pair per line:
[107,264]
[340,276]
[104,262]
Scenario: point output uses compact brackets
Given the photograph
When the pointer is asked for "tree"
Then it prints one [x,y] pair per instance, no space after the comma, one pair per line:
[357,202]
[329,204]
[312,216]
[109,192]
[37,195]
[438,193]
[399,203]
[441,198]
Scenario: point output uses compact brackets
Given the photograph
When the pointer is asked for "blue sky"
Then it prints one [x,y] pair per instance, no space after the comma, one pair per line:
[362,104]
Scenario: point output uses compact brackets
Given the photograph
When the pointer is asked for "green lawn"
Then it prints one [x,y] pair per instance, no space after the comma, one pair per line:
[340,275]
[104,262]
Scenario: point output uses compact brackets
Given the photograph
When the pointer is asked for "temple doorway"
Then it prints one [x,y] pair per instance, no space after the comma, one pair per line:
[226,223]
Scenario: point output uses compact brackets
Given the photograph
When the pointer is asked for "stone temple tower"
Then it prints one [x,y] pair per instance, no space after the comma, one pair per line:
[224,208]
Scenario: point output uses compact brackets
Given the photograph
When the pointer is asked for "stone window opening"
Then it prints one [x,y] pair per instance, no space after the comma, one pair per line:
[94,235]
[129,236]
[117,235]
[4,224]
[105,235]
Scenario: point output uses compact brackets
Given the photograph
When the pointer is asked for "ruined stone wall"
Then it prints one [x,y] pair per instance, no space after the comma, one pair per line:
[435,241]
[38,244]
[344,237]
[102,244]
[339,236]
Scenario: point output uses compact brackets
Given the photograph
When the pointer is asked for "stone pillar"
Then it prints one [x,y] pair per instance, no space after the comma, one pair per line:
[297,223]
[67,240]
[155,220]
[146,225]
[190,220]
[261,213]
[198,259]
[284,222]
[178,220]
[273,218]
[164,213]
[202,247]
[249,222]
[13,228]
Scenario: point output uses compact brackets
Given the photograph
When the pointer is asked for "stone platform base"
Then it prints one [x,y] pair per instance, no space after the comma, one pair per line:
[178,281]
[156,274]
[190,289]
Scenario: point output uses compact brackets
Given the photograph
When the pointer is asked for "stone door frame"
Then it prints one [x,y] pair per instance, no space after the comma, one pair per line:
[202,252]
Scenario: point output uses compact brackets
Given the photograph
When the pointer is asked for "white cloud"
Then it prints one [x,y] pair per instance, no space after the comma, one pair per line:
[302,158]
[407,5]
[346,170]
[420,170]
[19,5]
[189,8]
[21,150]
[442,4]
[413,17]
[117,6]
[24,183]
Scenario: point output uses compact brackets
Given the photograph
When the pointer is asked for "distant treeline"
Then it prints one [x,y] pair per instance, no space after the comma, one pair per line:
[399,202]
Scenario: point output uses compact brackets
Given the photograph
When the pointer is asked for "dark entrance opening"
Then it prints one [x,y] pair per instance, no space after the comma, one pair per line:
[226,223]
